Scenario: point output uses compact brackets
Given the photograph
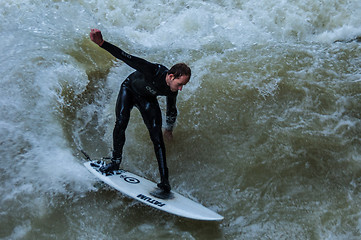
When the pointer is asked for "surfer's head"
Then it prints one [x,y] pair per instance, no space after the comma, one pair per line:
[178,76]
[180,69]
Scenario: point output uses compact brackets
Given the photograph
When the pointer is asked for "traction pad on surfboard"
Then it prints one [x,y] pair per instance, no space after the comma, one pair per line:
[97,164]
[159,193]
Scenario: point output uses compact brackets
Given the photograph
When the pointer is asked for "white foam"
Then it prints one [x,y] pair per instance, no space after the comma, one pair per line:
[344,33]
[20,231]
[37,157]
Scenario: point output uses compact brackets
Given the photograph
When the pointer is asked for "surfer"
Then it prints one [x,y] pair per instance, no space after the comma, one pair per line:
[140,89]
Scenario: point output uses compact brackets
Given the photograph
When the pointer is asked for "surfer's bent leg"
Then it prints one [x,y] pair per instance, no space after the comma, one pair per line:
[152,117]
[123,107]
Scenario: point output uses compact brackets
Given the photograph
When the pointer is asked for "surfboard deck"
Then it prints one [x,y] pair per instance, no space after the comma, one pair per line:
[148,193]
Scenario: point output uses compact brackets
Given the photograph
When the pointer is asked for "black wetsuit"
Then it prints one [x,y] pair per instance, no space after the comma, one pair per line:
[141,89]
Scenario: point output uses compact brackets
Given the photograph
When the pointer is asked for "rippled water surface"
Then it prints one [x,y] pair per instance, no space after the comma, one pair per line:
[268,133]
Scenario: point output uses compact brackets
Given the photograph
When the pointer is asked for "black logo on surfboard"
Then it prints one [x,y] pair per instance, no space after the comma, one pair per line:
[131,180]
[150,200]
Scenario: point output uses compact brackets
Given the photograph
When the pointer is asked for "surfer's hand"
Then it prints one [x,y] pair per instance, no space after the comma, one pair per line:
[168,135]
[96,36]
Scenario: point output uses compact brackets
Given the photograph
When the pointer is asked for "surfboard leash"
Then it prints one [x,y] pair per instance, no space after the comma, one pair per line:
[86,155]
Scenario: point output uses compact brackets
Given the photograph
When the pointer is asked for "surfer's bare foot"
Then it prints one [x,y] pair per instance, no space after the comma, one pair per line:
[112,166]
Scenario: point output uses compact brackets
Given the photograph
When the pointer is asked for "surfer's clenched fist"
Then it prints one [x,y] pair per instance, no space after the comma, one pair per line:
[96,36]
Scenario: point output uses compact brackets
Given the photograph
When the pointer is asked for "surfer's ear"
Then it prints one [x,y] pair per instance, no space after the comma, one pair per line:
[171,76]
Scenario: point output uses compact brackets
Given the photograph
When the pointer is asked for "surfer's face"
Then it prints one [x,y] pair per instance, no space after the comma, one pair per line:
[176,84]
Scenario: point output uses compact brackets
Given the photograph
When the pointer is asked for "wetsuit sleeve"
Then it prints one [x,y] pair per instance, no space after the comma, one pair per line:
[171,112]
[137,63]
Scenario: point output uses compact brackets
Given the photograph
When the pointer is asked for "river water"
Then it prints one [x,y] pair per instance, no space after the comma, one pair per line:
[268,133]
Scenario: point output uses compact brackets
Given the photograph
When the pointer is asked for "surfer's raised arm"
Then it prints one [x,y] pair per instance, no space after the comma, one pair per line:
[137,63]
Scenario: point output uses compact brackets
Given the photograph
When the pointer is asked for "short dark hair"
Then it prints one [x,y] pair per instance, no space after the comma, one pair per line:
[180,69]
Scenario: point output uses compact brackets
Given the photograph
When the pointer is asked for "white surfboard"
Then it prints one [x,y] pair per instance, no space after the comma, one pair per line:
[145,191]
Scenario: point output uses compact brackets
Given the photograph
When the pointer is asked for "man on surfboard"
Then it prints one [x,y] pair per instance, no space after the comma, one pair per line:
[140,89]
